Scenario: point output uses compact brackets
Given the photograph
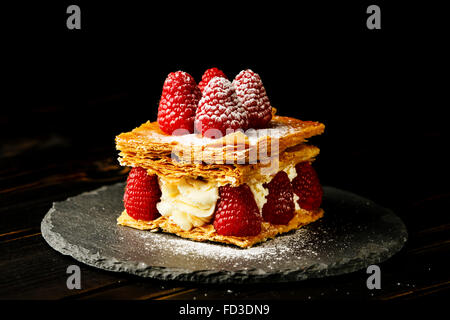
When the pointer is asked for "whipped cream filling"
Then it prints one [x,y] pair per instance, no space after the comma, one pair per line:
[259,192]
[292,173]
[191,202]
[188,202]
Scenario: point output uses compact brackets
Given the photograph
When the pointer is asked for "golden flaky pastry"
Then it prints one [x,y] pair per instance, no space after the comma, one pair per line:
[222,173]
[207,232]
[235,148]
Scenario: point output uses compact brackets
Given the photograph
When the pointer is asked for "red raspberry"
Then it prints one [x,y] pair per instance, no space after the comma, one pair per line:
[280,207]
[236,212]
[178,104]
[252,93]
[141,195]
[307,186]
[220,109]
[208,75]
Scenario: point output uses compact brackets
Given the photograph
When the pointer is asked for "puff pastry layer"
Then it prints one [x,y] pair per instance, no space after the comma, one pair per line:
[222,173]
[235,148]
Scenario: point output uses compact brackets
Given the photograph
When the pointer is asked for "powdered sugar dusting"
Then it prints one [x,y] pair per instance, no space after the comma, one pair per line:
[268,255]
[219,108]
[275,130]
[251,91]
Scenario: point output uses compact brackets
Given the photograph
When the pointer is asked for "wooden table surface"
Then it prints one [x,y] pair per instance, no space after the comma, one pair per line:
[56,161]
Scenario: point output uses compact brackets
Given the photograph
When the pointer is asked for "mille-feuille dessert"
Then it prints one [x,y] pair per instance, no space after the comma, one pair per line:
[219,165]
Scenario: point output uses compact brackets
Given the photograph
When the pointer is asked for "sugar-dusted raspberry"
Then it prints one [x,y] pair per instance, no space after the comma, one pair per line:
[141,195]
[236,212]
[208,75]
[178,104]
[280,207]
[307,187]
[252,93]
[220,109]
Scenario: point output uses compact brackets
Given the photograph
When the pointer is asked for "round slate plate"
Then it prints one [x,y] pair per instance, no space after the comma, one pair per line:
[354,233]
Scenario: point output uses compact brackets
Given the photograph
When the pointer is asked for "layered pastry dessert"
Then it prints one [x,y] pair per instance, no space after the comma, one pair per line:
[219,165]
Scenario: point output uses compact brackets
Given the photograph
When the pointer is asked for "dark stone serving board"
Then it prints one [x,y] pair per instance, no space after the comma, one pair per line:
[354,233]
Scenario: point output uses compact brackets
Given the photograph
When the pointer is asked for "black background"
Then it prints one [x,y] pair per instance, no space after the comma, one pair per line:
[382,94]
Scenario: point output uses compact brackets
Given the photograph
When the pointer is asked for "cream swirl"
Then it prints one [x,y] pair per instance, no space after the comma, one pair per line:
[188,202]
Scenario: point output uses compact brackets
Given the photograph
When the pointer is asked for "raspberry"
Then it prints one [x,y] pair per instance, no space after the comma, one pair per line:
[141,195]
[236,212]
[220,109]
[178,104]
[307,186]
[280,207]
[252,93]
[208,75]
